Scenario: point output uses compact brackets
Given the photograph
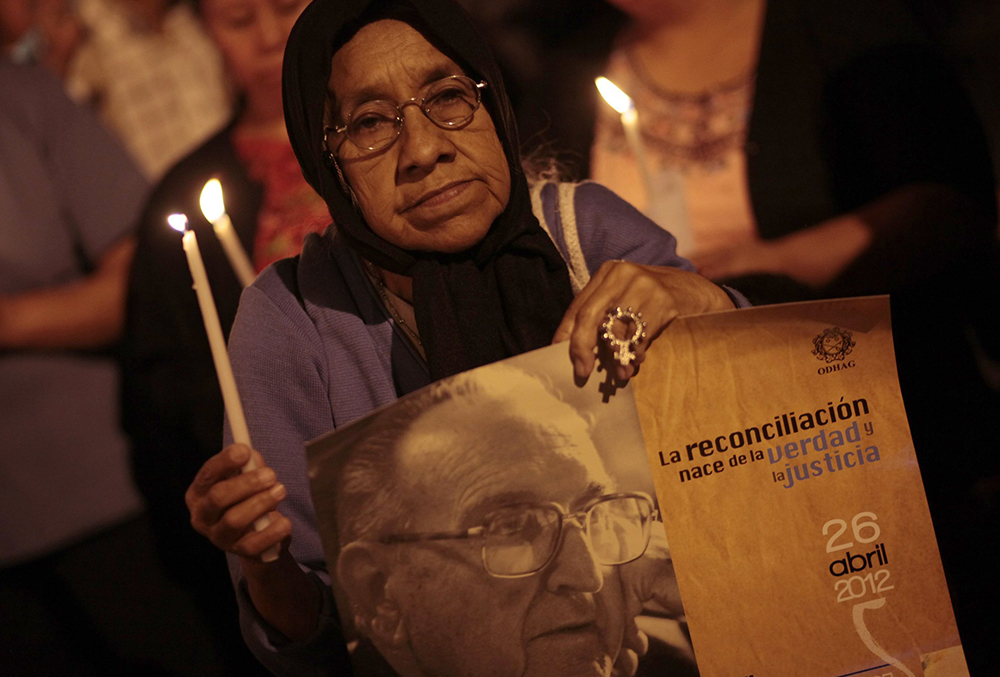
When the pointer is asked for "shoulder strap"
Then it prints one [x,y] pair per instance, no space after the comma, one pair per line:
[579,275]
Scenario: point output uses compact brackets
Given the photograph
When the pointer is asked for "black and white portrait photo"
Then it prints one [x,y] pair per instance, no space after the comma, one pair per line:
[500,523]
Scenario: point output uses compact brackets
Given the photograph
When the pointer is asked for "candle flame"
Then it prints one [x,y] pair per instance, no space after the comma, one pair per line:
[615,97]
[212,205]
[178,222]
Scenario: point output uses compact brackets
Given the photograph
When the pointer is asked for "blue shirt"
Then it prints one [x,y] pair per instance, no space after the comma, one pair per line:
[65,185]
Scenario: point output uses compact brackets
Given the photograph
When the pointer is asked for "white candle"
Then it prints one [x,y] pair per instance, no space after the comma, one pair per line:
[214,209]
[622,103]
[220,356]
[665,202]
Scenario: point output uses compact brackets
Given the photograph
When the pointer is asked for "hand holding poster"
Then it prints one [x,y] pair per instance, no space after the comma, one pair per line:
[504,521]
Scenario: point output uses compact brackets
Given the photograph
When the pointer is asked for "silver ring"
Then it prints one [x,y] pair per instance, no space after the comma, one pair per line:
[624,349]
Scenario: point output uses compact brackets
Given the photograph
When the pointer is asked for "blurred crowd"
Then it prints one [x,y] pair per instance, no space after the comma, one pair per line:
[807,149]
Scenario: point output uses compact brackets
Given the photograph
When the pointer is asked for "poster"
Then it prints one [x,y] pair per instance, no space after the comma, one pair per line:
[507,522]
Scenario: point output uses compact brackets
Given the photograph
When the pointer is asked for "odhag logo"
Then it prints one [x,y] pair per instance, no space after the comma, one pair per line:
[833,345]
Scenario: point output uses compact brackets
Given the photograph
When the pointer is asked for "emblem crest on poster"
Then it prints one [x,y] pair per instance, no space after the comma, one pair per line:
[833,345]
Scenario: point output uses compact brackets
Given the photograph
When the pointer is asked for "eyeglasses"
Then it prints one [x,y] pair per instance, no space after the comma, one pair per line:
[522,539]
[450,103]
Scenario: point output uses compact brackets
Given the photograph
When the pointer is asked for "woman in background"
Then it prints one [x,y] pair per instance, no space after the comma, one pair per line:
[823,149]
[172,406]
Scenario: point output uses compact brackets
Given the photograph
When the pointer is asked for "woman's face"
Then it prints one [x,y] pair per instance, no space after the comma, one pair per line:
[251,35]
[433,189]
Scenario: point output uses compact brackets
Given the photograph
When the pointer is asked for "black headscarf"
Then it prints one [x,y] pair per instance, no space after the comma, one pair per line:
[505,295]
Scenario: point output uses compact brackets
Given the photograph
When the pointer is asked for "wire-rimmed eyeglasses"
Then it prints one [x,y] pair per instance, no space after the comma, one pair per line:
[449,103]
[522,539]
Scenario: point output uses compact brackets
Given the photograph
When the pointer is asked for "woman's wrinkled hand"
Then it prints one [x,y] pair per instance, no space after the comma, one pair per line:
[659,293]
[224,503]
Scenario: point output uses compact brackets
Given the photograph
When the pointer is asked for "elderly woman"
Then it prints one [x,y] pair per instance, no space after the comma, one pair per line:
[399,118]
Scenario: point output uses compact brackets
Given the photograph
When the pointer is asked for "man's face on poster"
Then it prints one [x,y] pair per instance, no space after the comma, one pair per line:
[461,464]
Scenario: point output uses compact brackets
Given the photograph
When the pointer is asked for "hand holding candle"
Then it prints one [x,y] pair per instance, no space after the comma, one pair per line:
[214,209]
[220,356]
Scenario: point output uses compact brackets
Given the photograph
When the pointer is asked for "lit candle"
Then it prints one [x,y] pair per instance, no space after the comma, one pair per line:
[214,209]
[223,368]
[665,200]
[622,103]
